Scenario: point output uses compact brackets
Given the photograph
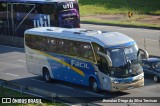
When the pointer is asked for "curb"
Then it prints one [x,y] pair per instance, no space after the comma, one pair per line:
[128,26]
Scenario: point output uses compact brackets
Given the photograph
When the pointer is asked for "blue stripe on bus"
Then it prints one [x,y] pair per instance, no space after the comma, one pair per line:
[123,45]
[61,65]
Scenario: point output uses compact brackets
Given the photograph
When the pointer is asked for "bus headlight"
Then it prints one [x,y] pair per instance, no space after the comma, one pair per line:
[140,76]
[96,73]
[116,82]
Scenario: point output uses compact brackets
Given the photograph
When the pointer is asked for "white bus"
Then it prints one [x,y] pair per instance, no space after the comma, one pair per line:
[102,60]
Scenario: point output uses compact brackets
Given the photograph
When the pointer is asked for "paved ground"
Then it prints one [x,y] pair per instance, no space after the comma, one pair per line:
[13,68]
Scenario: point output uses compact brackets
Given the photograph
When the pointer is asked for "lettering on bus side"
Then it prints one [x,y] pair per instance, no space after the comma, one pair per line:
[43,21]
[68,5]
[79,64]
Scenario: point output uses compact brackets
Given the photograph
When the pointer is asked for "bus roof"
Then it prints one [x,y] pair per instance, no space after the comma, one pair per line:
[105,39]
[34,1]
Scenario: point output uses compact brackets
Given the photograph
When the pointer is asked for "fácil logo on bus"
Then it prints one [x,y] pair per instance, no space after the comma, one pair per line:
[79,64]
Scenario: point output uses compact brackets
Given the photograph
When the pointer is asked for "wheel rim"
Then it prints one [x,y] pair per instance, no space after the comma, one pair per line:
[47,76]
[155,78]
[94,86]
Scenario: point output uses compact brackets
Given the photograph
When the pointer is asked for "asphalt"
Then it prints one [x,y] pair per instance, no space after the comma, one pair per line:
[13,68]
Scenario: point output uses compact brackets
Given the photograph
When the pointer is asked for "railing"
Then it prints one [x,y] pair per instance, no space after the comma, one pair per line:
[53,97]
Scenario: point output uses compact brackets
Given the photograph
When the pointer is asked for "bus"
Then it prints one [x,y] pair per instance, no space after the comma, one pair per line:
[102,60]
[18,15]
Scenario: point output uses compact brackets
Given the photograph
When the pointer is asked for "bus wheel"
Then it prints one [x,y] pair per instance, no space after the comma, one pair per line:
[94,85]
[46,75]
[155,78]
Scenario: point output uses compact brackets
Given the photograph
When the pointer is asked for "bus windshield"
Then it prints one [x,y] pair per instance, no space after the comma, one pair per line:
[68,14]
[124,62]
[69,18]
[118,57]
[121,56]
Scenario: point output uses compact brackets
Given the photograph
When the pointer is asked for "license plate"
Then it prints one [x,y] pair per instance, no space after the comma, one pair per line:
[130,87]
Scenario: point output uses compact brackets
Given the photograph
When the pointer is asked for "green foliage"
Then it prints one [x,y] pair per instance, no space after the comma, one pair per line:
[90,7]
[124,23]
[4,92]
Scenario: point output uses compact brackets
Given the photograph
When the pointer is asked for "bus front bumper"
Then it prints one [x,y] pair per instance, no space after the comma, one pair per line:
[126,86]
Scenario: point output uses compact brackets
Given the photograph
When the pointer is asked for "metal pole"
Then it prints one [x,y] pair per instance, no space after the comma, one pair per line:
[2,83]
[159,42]
[21,89]
[144,43]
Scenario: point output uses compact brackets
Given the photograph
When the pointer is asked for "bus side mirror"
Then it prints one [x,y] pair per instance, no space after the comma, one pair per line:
[143,54]
[109,61]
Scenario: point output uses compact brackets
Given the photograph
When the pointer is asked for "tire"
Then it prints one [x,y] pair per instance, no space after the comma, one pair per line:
[46,75]
[94,85]
[155,78]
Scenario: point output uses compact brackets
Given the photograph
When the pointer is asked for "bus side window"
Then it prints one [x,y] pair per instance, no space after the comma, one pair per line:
[3,7]
[45,9]
[40,43]
[102,65]
[30,41]
[84,50]
[23,8]
[96,48]
[3,20]
[52,45]
[62,46]
[72,48]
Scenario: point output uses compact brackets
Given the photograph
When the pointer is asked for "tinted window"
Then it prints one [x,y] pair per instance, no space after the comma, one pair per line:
[3,6]
[62,46]
[41,43]
[103,67]
[72,49]
[44,9]
[68,14]
[52,44]
[30,41]
[3,20]
[84,50]
[35,8]
[146,65]
[156,65]
[23,7]
[96,48]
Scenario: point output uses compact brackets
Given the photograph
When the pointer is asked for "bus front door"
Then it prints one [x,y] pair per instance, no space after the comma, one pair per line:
[103,73]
